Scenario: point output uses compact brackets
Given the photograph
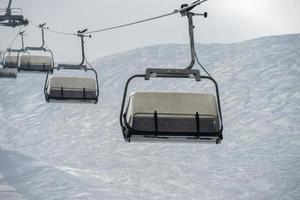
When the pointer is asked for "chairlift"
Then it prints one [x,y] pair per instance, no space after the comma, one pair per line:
[169,116]
[71,88]
[9,65]
[6,73]
[12,17]
[33,60]
[11,60]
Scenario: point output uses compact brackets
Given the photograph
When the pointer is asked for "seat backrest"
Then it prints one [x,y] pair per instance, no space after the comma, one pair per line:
[36,60]
[174,103]
[73,82]
[11,60]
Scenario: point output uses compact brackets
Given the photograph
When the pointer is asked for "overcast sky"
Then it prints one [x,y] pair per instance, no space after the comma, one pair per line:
[229,21]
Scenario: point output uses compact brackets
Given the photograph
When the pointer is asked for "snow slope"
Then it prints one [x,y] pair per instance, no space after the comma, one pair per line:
[67,151]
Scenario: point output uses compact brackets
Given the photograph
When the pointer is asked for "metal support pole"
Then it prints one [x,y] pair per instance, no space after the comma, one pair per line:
[22,38]
[82,36]
[43,38]
[9,4]
[8,10]
[82,49]
[192,39]
[41,26]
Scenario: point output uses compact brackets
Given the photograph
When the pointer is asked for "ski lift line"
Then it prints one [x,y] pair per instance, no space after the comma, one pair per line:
[60,32]
[196,3]
[182,11]
[130,24]
[51,30]
[15,38]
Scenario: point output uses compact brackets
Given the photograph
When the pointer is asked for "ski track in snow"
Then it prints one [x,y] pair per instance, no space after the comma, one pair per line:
[76,151]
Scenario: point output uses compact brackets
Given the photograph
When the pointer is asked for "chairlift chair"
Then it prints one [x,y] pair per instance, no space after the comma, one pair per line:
[12,17]
[11,60]
[73,89]
[31,61]
[169,116]
[10,64]
[6,73]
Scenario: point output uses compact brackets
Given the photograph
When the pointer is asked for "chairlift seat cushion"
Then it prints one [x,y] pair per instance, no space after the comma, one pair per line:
[8,73]
[72,88]
[11,62]
[38,63]
[176,112]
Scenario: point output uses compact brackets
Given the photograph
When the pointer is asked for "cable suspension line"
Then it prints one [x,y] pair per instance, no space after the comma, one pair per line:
[182,11]
[51,30]
[15,38]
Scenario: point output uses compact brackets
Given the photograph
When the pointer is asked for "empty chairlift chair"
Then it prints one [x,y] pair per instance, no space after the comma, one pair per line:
[6,73]
[171,115]
[167,115]
[11,60]
[12,17]
[10,63]
[73,89]
[80,89]
[37,59]
[36,63]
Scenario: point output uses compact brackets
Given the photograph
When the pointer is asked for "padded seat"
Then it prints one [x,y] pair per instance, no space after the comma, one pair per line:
[8,73]
[11,62]
[176,113]
[72,88]
[36,63]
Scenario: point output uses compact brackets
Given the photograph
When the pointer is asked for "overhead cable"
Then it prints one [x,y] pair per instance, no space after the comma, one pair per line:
[15,38]
[182,10]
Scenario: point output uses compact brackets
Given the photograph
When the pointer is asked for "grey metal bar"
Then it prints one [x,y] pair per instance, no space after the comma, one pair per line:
[41,26]
[82,36]
[35,48]
[70,66]
[9,5]
[172,73]
[192,40]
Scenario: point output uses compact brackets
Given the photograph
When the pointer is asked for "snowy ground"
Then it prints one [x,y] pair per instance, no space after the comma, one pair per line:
[67,151]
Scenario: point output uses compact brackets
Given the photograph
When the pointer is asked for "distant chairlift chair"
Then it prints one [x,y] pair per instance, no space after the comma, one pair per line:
[11,61]
[12,17]
[73,89]
[10,64]
[32,62]
[171,116]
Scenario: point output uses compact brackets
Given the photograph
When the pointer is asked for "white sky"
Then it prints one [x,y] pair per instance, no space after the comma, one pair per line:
[228,21]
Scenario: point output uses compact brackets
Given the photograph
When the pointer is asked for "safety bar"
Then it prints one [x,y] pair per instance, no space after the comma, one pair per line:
[36,49]
[14,50]
[172,73]
[72,67]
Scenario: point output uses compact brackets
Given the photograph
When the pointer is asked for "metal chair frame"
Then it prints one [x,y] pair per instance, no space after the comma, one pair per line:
[12,17]
[42,48]
[188,72]
[10,50]
[80,66]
